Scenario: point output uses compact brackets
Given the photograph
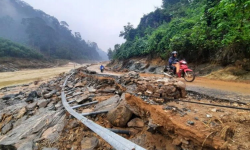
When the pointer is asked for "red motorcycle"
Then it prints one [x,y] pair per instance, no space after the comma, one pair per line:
[186,73]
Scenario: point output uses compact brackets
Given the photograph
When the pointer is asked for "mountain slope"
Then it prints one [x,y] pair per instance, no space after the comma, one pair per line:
[200,30]
[11,49]
[21,23]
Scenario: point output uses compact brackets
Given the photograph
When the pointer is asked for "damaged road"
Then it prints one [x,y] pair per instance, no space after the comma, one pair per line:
[142,105]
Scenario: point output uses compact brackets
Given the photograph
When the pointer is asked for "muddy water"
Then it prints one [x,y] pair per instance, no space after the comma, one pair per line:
[27,76]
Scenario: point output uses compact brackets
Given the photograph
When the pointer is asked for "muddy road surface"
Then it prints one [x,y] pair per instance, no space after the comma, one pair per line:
[229,90]
[27,76]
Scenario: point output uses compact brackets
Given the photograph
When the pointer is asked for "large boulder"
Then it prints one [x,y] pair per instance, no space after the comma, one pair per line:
[119,116]
[108,104]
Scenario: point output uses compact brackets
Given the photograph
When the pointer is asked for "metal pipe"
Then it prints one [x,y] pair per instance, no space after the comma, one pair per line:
[86,104]
[120,131]
[70,92]
[75,95]
[71,101]
[94,113]
[113,139]
[213,104]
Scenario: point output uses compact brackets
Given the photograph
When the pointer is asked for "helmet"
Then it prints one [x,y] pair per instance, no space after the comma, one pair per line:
[174,52]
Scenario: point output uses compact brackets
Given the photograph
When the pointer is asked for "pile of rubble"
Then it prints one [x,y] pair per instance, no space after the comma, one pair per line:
[30,116]
[36,119]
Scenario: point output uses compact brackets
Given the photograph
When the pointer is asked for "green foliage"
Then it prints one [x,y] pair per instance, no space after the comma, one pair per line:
[200,30]
[10,49]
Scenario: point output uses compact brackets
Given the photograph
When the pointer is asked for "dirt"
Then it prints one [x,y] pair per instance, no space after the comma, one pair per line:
[211,127]
[10,64]
[30,75]
[222,89]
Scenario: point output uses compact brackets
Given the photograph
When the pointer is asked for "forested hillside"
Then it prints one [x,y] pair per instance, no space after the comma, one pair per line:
[200,30]
[11,49]
[21,23]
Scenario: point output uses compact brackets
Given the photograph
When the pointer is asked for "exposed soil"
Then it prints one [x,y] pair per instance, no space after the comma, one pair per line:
[168,124]
[232,90]
[10,64]
[27,76]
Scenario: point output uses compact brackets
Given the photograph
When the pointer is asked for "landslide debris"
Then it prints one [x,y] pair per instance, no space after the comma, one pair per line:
[144,106]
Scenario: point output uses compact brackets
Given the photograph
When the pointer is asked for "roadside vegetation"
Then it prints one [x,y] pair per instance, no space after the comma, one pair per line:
[201,31]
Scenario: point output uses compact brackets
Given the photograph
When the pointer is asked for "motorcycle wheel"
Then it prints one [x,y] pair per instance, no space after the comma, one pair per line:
[189,76]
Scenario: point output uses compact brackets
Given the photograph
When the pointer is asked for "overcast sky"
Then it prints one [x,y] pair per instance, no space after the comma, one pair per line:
[98,21]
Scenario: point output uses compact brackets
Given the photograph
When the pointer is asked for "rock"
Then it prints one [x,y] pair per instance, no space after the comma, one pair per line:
[73,124]
[42,103]
[7,97]
[58,105]
[209,116]
[20,97]
[177,141]
[53,133]
[214,110]
[190,122]
[152,69]
[92,72]
[26,146]
[32,95]
[108,90]
[58,93]
[7,128]
[82,98]
[51,106]
[152,126]
[50,94]
[119,116]
[108,105]
[148,92]
[19,121]
[21,113]
[136,122]
[7,147]
[87,110]
[31,106]
[196,118]
[49,148]
[91,89]
[89,143]
[79,84]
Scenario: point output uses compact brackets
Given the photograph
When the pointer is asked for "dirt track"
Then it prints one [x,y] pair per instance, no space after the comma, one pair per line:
[236,91]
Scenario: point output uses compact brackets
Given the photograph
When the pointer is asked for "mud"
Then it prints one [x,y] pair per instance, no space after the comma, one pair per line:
[27,76]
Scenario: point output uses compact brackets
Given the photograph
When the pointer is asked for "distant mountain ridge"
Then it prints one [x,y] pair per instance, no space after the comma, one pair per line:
[21,23]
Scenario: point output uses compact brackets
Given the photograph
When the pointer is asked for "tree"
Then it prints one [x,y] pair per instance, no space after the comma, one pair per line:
[110,53]
[128,32]
[78,36]
[64,23]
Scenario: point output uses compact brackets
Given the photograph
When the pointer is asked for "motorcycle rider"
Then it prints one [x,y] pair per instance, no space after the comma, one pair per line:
[174,64]
[102,68]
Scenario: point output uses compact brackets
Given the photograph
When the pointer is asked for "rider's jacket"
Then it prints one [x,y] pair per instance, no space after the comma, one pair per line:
[171,60]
